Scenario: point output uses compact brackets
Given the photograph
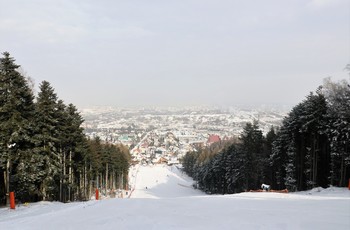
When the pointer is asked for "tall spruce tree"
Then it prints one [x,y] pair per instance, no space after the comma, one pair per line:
[302,146]
[268,176]
[234,169]
[46,141]
[337,95]
[278,158]
[61,146]
[75,150]
[252,150]
[16,112]
[44,154]
[188,163]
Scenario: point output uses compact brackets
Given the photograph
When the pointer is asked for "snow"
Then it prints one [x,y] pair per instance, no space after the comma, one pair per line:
[169,202]
[161,181]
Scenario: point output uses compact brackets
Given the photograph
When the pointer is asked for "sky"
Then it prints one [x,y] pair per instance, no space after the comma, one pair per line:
[177,53]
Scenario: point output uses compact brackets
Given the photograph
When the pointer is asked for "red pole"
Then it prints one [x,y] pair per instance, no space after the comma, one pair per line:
[349,184]
[96,194]
[12,200]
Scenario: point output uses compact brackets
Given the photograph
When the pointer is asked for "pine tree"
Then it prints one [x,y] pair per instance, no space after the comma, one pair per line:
[234,175]
[75,151]
[46,141]
[268,173]
[62,134]
[314,128]
[95,161]
[338,129]
[278,159]
[290,167]
[252,150]
[188,163]
[16,112]
[301,146]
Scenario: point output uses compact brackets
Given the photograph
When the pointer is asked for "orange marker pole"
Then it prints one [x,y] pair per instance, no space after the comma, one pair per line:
[12,200]
[96,194]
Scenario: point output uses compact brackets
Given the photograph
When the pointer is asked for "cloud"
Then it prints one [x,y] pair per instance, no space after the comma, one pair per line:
[42,23]
[321,4]
[42,31]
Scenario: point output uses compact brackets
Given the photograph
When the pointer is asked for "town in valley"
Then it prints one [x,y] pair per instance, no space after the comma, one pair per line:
[165,135]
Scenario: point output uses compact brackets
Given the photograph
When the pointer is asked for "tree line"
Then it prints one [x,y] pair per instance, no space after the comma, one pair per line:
[44,153]
[311,148]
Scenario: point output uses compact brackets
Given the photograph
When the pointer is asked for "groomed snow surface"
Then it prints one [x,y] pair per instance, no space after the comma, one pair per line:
[169,202]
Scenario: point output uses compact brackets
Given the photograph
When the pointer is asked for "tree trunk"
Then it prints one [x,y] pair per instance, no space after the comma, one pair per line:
[106,182]
[113,180]
[64,178]
[342,171]
[7,181]
[97,182]
[85,181]
[122,181]
[90,183]
[61,179]
[314,178]
[70,175]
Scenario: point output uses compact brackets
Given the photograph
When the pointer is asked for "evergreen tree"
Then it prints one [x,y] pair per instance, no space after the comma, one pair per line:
[188,163]
[338,129]
[234,170]
[62,134]
[302,146]
[290,167]
[278,159]
[44,154]
[74,151]
[268,172]
[310,149]
[16,112]
[46,141]
[95,160]
[252,158]
[314,128]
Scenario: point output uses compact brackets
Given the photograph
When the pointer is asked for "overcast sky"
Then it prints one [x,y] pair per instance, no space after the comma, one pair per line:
[178,52]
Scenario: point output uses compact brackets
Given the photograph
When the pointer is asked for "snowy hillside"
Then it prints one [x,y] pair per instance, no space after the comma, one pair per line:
[169,202]
[161,181]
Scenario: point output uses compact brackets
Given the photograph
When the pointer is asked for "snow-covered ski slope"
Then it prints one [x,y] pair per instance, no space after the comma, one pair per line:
[160,181]
[169,202]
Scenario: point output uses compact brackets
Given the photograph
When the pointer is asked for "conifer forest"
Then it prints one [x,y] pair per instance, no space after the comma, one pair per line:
[44,154]
[310,149]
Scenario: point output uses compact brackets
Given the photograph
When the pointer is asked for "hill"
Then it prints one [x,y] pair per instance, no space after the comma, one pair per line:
[169,202]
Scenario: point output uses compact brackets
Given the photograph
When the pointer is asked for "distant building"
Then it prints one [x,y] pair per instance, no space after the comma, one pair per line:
[213,139]
[162,160]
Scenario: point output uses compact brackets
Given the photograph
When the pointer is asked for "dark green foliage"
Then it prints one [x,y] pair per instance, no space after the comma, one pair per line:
[44,154]
[188,163]
[252,155]
[269,172]
[46,137]
[310,149]
[16,123]
[109,165]
[338,129]
[302,145]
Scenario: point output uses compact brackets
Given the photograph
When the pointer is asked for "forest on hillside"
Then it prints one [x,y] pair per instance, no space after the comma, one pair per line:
[310,149]
[44,154]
